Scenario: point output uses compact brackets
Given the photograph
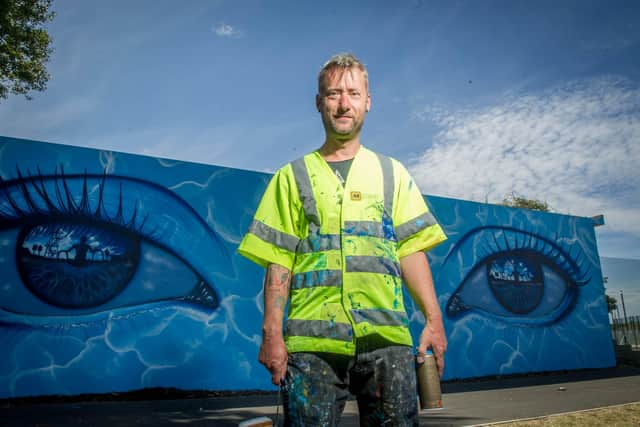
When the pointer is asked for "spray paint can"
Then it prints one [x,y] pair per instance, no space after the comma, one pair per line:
[257,422]
[428,381]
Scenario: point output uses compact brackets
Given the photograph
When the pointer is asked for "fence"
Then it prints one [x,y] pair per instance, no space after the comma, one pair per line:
[626,331]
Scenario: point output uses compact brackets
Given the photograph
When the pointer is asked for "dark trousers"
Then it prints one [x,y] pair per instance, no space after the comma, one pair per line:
[383,380]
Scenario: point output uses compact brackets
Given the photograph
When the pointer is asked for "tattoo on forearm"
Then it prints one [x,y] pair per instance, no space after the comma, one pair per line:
[280,302]
[277,277]
[284,277]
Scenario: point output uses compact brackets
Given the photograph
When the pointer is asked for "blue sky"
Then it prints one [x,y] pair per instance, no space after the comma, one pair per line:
[622,276]
[478,99]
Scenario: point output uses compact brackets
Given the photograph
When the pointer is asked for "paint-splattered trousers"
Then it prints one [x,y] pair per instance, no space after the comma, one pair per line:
[317,386]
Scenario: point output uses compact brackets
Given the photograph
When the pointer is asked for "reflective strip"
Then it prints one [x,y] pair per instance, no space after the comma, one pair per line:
[319,328]
[363,228]
[389,183]
[319,242]
[382,230]
[305,191]
[372,264]
[273,236]
[379,317]
[414,225]
[316,278]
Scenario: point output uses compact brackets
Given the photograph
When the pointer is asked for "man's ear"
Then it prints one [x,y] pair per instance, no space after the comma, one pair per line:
[318,102]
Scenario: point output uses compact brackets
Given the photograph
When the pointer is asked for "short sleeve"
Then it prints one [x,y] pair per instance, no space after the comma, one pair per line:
[272,237]
[416,228]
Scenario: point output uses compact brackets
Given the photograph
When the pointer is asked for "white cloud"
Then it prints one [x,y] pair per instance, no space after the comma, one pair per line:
[175,141]
[38,122]
[576,146]
[215,143]
[226,30]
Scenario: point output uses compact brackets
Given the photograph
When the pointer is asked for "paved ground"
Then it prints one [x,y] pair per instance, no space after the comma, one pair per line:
[466,403]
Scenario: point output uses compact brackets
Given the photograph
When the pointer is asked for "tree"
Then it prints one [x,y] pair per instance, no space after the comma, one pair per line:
[24,46]
[612,303]
[518,201]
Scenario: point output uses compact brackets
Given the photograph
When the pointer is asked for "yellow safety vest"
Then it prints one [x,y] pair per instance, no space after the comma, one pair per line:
[343,244]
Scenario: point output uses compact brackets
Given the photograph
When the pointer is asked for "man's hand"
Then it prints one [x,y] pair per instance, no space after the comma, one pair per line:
[417,276]
[273,355]
[273,352]
[433,337]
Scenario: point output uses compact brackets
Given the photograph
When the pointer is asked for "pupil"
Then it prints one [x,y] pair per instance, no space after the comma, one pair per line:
[516,282]
[75,265]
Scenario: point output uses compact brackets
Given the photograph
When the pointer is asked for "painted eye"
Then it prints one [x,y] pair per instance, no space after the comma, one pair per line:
[519,277]
[75,245]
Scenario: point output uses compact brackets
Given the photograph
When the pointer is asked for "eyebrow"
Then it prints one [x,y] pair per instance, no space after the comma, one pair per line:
[331,89]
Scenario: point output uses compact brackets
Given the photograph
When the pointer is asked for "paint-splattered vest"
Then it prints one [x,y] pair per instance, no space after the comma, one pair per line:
[343,244]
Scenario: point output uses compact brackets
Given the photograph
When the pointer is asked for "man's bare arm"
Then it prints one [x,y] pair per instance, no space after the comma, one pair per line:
[273,352]
[417,276]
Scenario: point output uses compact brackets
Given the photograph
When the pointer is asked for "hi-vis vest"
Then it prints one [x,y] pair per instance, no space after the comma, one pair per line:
[343,244]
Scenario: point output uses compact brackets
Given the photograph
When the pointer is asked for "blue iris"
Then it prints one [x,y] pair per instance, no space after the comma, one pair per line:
[76,266]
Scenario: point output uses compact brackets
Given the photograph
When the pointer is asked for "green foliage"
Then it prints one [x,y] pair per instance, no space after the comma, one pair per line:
[517,201]
[24,46]
[612,303]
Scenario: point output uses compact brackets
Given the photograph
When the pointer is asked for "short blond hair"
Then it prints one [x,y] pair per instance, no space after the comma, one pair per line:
[342,61]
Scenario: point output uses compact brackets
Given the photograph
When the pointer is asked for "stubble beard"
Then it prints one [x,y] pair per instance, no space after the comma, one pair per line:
[344,134]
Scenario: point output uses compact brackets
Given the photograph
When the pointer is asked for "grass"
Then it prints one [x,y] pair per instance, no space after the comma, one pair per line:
[613,416]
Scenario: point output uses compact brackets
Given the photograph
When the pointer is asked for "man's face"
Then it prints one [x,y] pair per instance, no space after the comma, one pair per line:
[343,102]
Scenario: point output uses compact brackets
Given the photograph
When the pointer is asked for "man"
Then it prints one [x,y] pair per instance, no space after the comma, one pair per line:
[338,230]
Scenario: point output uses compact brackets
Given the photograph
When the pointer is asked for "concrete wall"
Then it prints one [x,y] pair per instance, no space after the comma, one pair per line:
[119,272]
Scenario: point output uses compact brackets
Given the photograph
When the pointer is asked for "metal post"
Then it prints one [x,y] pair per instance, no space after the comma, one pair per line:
[626,322]
[619,328]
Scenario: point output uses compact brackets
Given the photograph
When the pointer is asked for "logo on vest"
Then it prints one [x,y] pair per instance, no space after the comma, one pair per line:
[356,196]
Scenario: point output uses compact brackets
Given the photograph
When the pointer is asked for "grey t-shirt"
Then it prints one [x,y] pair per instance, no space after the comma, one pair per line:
[341,169]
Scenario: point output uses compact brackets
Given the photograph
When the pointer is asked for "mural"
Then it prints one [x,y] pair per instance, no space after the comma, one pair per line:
[119,272]
[521,291]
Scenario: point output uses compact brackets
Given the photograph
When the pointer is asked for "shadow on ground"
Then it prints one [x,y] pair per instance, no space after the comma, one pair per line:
[499,398]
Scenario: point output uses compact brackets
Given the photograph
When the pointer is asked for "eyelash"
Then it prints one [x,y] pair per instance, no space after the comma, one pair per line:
[564,260]
[63,206]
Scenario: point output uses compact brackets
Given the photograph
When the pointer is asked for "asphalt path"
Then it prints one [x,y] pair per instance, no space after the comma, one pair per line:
[466,403]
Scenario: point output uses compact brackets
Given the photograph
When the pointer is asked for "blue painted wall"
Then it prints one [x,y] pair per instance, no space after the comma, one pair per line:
[119,272]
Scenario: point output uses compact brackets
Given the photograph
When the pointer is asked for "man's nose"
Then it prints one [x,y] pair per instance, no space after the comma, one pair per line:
[344,103]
